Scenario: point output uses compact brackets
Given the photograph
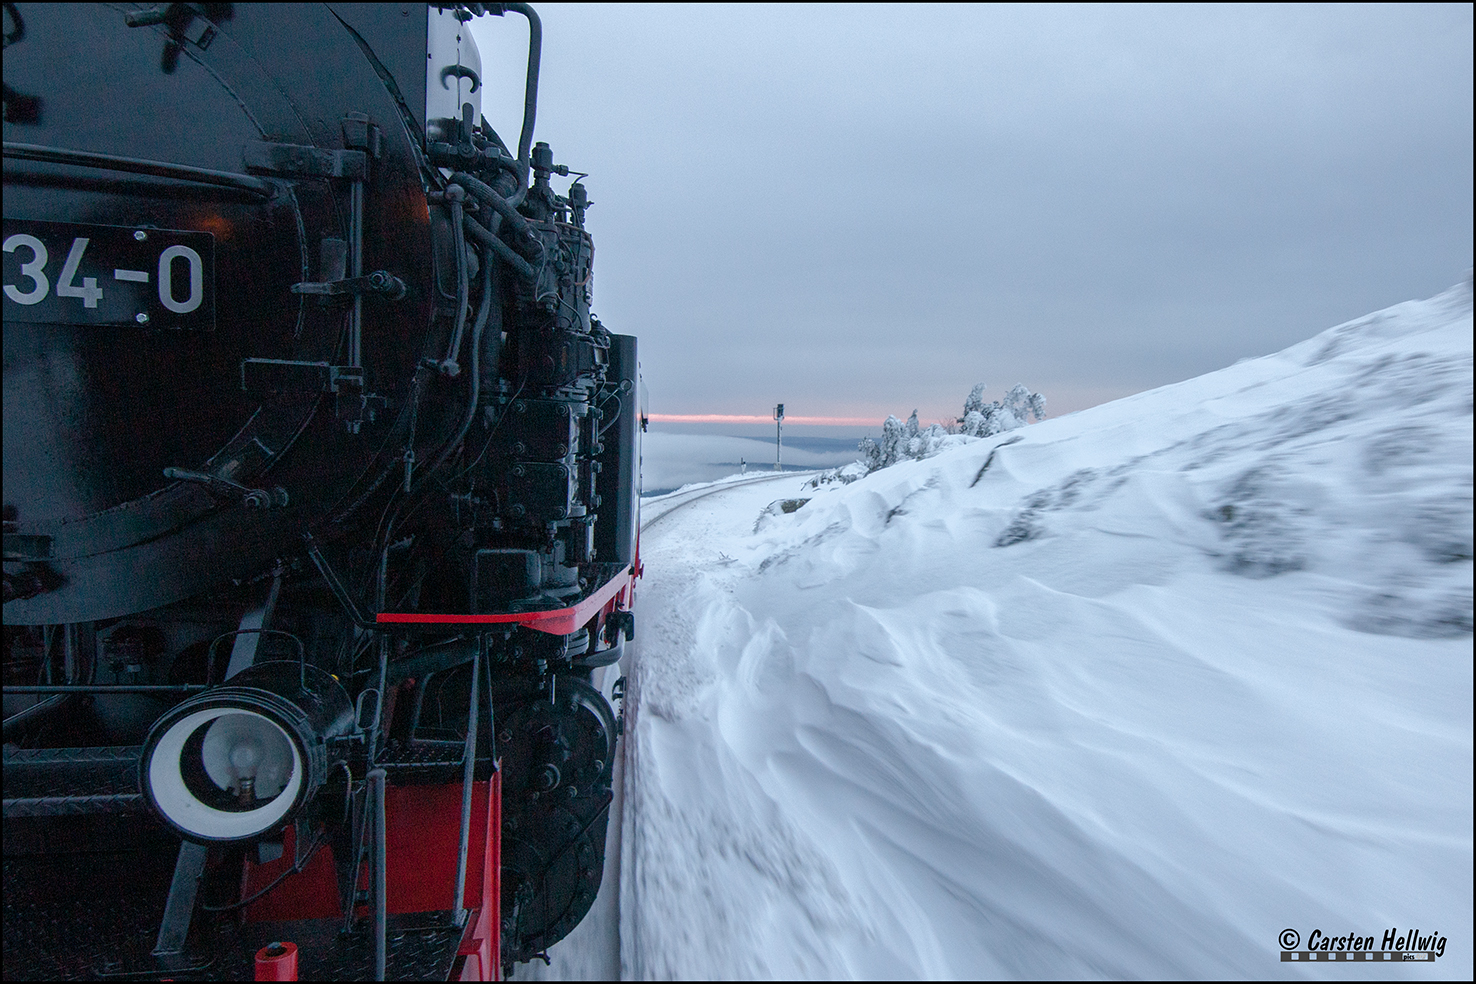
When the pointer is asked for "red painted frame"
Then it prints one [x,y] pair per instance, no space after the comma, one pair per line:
[618,592]
[423,826]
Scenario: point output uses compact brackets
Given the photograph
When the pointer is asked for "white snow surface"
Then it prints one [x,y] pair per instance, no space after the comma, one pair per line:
[1122,694]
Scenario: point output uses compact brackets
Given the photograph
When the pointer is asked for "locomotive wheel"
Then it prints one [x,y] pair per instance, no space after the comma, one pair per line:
[557,760]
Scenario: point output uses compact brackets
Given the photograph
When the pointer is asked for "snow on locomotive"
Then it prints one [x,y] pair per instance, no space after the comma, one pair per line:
[321,488]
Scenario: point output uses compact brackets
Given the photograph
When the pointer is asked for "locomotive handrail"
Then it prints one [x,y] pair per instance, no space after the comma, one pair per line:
[350,607]
[134,165]
[106,688]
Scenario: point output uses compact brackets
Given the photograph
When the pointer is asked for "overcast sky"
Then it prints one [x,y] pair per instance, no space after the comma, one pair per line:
[859,210]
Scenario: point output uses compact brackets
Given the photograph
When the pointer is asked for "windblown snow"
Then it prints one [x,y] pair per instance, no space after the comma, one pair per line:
[1123,694]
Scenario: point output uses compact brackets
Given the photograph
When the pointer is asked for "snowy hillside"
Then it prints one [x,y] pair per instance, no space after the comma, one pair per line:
[1122,694]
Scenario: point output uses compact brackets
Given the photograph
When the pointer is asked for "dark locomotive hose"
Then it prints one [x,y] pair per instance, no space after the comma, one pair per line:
[463,286]
[483,311]
[502,206]
[297,865]
[504,252]
[387,524]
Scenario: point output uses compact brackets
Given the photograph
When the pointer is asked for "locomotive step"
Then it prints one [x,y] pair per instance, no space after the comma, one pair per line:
[51,782]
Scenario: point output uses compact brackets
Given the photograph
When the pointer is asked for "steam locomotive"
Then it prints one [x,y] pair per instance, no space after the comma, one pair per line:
[320,501]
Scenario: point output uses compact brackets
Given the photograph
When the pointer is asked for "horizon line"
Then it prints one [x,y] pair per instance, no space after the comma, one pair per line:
[738,418]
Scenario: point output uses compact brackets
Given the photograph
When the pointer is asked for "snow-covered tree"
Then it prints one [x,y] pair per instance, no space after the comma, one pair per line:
[908,440]
[893,444]
[982,419]
[901,441]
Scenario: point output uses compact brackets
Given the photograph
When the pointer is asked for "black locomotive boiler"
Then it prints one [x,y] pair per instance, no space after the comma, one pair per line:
[320,501]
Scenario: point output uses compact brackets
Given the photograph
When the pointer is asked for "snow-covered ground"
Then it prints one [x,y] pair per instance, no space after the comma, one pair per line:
[1124,694]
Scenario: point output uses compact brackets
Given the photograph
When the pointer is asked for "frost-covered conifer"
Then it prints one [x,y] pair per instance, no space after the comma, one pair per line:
[901,440]
[887,451]
[975,401]
[982,419]
[1020,402]
[913,445]
[894,441]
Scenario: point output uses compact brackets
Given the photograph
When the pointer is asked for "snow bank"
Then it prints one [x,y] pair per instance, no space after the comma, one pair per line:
[1122,694]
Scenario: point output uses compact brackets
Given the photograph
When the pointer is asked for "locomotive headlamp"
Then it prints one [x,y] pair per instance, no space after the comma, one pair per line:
[240,760]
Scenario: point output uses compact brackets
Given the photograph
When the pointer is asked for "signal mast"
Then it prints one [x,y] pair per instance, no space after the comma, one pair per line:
[779,437]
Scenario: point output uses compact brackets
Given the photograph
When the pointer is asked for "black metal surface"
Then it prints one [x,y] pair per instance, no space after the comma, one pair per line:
[88,917]
[124,537]
[55,929]
[618,485]
[44,782]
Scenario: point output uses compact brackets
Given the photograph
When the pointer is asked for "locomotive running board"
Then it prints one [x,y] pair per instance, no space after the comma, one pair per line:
[555,621]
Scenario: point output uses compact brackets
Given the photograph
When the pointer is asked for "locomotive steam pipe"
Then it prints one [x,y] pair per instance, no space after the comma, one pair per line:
[341,593]
[356,270]
[454,198]
[530,91]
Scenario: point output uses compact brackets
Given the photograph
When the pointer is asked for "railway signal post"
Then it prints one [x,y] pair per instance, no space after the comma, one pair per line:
[779,437]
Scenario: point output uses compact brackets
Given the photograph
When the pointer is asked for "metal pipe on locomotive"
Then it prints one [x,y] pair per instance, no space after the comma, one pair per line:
[321,490]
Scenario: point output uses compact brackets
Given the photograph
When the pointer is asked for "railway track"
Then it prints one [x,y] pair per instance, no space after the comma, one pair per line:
[657,509]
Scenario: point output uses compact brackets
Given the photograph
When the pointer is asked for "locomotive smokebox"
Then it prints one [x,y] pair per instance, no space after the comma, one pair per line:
[243,759]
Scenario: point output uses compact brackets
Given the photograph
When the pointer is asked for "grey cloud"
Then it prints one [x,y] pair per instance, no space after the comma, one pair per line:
[871,208]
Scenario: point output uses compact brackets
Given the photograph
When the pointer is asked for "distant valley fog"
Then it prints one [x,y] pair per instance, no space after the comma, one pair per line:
[670,460]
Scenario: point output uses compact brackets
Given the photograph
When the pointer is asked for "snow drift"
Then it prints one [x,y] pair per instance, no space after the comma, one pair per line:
[1121,694]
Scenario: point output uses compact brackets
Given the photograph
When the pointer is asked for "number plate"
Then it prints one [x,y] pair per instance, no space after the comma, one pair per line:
[61,273]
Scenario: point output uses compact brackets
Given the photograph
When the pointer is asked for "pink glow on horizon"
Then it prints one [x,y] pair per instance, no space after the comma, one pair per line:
[723,418]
